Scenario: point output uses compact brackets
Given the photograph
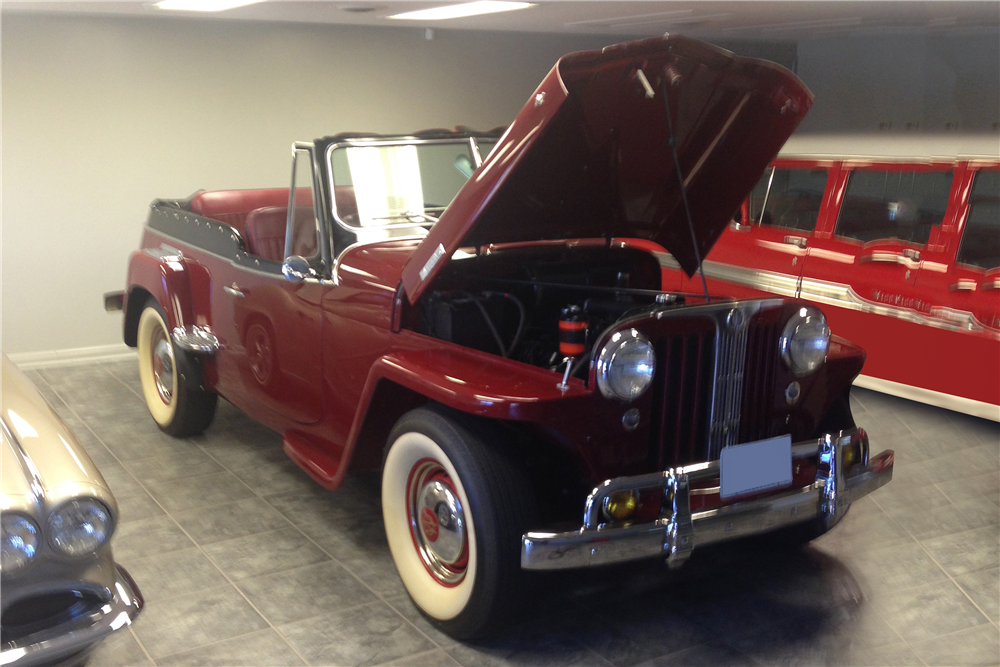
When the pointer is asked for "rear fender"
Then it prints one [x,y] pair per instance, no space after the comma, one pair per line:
[181,286]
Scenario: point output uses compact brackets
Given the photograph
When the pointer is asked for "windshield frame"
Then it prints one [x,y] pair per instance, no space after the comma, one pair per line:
[470,142]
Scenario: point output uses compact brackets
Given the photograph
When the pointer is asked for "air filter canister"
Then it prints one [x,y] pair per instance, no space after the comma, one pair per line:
[572,331]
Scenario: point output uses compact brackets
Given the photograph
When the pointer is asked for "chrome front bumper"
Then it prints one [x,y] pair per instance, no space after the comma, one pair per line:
[675,535]
[72,640]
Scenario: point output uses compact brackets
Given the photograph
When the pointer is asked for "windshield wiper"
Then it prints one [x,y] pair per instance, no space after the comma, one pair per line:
[411,216]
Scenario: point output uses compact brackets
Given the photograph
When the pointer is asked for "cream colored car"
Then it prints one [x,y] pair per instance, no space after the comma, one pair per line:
[62,591]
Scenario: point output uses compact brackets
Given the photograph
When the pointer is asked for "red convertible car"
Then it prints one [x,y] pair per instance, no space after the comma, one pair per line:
[481,318]
[901,249]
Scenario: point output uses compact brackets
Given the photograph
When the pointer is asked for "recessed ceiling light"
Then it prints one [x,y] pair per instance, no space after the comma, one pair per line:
[462,10]
[203,5]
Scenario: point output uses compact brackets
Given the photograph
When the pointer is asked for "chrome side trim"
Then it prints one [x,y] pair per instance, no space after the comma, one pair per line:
[679,531]
[196,339]
[165,253]
[75,637]
[833,294]
[844,296]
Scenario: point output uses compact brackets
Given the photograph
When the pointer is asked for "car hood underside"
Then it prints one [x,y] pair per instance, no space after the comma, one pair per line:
[590,155]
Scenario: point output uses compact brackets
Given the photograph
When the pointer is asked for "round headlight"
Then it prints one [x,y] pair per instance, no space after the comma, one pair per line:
[79,527]
[20,542]
[805,341]
[625,366]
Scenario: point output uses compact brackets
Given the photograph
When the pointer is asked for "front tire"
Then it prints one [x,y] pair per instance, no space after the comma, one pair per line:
[455,507]
[170,378]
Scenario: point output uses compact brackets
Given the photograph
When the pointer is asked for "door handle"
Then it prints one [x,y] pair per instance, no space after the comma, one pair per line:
[799,241]
[963,286]
[234,290]
[908,258]
[992,284]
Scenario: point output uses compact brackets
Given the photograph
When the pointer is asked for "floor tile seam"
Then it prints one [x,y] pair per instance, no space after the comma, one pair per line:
[350,571]
[232,585]
[169,479]
[955,632]
[961,532]
[347,607]
[938,486]
[715,639]
[207,451]
[142,647]
[877,612]
[239,591]
[126,384]
[428,652]
[373,604]
[213,643]
[379,597]
[266,532]
[946,573]
[958,585]
[593,652]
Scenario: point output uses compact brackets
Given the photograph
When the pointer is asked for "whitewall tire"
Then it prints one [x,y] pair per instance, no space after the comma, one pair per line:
[442,592]
[455,505]
[170,378]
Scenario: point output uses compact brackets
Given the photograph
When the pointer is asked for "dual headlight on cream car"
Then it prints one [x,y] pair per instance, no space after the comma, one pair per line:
[627,362]
[76,528]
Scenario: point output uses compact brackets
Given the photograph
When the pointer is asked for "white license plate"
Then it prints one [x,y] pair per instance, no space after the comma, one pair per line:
[755,466]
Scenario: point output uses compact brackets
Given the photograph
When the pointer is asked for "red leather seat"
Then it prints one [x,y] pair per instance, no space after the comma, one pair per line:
[233,206]
[265,232]
[347,204]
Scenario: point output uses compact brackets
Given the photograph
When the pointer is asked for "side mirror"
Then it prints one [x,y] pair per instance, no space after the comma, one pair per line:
[736,223]
[296,269]
[464,164]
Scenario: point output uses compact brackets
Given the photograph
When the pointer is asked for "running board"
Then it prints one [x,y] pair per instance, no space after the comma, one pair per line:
[319,463]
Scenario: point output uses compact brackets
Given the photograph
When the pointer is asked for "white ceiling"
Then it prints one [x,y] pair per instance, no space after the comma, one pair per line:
[767,19]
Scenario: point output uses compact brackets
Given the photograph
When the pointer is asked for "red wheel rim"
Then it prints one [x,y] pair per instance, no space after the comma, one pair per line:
[437,522]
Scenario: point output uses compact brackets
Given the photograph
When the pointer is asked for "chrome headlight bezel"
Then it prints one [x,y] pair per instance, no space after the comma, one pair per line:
[69,516]
[625,342]
[805,341]
[29,548]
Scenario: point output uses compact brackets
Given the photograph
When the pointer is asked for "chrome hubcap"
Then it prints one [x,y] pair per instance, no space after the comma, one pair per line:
[438,522]
[163,369]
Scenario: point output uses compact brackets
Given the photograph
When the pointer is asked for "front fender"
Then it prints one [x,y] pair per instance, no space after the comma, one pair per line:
[462,379]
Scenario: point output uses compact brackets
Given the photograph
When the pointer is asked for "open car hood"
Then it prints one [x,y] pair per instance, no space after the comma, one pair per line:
[589,155]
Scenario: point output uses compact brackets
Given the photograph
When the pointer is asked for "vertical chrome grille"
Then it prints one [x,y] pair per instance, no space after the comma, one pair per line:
[730,360]
[718,376]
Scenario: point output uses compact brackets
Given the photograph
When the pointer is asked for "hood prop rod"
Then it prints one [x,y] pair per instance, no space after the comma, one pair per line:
[680,177]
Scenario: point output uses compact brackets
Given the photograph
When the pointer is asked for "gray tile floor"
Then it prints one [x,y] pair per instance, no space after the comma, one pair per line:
[244,560]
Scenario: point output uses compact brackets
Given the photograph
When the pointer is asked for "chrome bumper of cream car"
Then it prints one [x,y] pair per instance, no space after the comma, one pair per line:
[70,642]
[675,535]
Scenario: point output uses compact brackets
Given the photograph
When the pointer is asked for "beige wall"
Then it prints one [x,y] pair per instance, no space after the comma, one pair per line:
[100,116]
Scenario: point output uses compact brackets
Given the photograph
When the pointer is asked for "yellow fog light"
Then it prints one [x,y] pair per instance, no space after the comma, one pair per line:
[620,505]
[849,455]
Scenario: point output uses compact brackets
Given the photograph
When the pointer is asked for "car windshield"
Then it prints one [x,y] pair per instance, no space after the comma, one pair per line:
[396,184]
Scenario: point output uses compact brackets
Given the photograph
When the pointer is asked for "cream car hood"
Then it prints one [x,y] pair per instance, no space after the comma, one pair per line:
[41,462]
